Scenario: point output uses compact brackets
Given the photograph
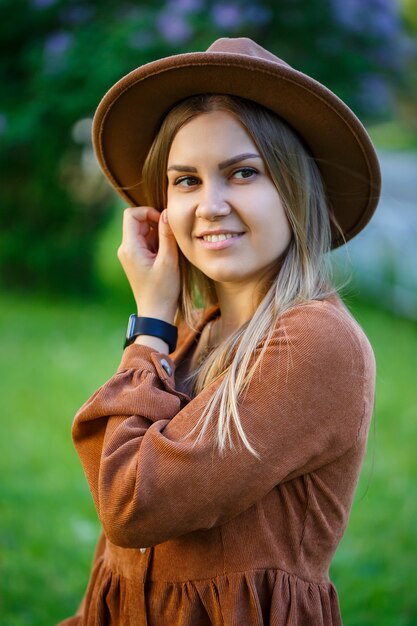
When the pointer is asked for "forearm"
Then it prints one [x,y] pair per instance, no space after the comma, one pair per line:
[137,441]
[109,427]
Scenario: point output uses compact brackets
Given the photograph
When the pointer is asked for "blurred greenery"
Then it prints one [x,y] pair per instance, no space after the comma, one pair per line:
[54,358]
[58,57]
[59,229]
[393,135]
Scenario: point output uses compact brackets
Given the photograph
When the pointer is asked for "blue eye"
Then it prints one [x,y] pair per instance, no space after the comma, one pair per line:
[187,180]
[246,172]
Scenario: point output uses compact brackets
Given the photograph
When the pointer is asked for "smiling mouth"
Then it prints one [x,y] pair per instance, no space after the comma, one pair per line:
[221,237]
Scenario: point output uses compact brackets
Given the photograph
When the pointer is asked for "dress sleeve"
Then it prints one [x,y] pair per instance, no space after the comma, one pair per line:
[309,401]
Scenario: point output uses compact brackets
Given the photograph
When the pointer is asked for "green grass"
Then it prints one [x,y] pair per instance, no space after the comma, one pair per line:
[375,566]
[55,354]
[394,135]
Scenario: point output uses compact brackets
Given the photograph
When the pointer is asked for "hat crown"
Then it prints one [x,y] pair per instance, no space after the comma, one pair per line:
[244,45]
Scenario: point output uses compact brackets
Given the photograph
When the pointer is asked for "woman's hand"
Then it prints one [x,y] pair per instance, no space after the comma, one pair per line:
[149,256]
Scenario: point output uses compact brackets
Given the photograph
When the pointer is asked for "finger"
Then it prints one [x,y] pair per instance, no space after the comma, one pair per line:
[168,248]
[152,239]
[137,223]
[143,214]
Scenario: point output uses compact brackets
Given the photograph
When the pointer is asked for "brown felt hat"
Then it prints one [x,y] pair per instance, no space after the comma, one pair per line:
[130,114]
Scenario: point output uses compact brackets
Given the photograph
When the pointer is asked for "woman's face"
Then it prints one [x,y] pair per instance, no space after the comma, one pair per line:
[224,210]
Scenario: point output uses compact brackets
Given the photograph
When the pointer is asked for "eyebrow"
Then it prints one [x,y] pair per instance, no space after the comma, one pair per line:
[236,159]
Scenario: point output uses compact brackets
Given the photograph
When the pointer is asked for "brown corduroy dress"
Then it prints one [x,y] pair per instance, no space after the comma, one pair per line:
[193,537]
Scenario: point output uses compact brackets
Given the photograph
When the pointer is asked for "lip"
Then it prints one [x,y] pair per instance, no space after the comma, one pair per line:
[219,232]
[220,245]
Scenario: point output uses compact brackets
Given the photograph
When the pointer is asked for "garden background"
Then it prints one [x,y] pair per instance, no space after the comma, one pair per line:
[64,301]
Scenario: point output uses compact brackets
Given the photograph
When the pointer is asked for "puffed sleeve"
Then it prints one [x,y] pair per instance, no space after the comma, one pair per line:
[308,403]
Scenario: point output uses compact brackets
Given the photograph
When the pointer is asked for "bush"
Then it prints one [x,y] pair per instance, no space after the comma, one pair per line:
[58,57]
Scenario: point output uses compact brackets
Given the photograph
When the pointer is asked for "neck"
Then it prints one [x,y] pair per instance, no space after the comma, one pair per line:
[237,305]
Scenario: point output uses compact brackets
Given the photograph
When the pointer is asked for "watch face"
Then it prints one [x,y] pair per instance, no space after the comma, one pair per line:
[131,326]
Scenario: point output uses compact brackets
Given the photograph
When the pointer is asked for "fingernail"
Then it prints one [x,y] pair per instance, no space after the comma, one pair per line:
[164,216]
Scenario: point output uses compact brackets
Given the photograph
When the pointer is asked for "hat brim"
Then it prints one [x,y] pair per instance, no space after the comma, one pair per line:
[130,114]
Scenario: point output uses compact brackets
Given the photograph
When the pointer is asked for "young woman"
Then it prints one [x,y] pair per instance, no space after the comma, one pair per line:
[223,466]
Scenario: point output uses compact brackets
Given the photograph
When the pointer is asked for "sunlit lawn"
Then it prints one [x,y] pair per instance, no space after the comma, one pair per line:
[53,356]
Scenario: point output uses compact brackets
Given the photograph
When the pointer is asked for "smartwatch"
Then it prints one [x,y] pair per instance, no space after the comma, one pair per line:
[151,326]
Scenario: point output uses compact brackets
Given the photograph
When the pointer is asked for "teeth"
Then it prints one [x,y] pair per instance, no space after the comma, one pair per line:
[222,237]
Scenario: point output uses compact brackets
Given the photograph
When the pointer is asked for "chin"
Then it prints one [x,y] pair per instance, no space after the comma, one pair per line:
[228,277]
[221,274]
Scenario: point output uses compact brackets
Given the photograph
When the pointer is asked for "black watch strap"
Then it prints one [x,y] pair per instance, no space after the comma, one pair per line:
[151,326]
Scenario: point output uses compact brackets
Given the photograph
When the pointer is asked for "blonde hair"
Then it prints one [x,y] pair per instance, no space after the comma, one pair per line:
[302,275]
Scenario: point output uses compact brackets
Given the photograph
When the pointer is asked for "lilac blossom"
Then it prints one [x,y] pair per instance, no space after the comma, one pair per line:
[374,94]
[376,17]
[186,6]
[348,13]
[78,14]
[227,16]
[3,123]
[42,4]
[55,49]
[384,56]
[384,23]
[58,43]
[259,15]
[173,27]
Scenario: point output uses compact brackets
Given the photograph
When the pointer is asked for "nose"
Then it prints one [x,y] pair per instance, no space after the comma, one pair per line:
[212,202]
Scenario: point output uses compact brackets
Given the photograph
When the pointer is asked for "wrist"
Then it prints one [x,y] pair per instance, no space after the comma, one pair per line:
[159,313]
[164,332]
[159,345]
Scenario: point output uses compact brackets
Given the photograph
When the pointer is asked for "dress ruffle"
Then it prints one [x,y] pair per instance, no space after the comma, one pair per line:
[252,598]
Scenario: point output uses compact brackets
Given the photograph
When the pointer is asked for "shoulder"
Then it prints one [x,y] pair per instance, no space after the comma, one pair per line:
[324,356]
[326,327]
[316,377]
